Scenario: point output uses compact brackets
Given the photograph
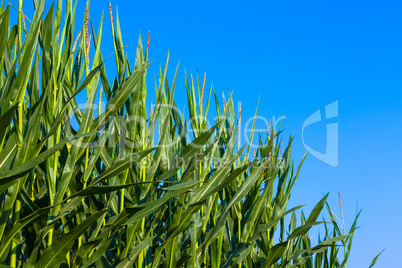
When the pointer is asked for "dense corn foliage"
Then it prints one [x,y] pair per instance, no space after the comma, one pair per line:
[128,186]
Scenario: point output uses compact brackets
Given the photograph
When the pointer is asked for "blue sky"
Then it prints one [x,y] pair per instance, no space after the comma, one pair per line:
[298,57]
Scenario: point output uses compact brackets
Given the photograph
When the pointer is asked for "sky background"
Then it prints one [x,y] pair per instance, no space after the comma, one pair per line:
[297,57]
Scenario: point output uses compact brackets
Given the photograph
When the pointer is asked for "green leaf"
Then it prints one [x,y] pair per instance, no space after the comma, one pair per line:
[188,152]
[375,259]
[24,168]
[16,228]
[54,254]
[129,261]
[275,254]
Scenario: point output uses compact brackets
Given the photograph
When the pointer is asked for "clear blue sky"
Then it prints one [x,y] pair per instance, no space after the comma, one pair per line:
[298,56]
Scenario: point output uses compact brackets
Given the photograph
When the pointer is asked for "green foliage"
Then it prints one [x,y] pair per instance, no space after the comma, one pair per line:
[106,194]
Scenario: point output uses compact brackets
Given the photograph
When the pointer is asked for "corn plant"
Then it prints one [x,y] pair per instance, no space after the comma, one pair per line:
[128,186]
